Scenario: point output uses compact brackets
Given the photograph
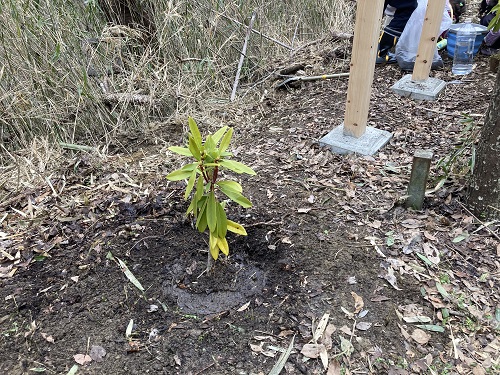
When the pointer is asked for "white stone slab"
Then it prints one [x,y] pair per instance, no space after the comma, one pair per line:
[368,144]
[419,90]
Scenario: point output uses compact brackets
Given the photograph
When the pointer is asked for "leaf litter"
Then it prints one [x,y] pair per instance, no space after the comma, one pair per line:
[443,253]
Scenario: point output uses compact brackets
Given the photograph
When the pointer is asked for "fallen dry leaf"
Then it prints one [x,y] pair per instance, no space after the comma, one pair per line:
[478,370]
[334,368]
[48,338]
[82,359]
[420,336]
[312,350]
[97,353]
[377,298]
[376,224]
[321,327]
[326,339]
[405,334]
[346,330]
[388,274]
[358,302]
[363,326]
[244,307]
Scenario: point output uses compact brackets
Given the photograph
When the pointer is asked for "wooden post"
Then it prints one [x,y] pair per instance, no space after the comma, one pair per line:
[362,68]
[418,180]
[428,40]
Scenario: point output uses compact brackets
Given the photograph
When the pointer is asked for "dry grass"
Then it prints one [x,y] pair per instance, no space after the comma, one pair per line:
[68,76]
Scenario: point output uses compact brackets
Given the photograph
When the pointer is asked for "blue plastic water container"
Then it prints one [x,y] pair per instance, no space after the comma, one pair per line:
[481,32]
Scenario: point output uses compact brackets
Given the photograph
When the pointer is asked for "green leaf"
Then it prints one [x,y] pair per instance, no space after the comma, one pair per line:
[460,237]
[441,290]
[218,134]
[73,370]
[178,175]
[431,327]
[38,369]
[201,222]
[276,370]
[130,275]
[224,144]
[495,22]
[236,196]
[425,259]
[236,228]
[346,346]
[230,185]
[237,167]
[211,213]
[199,188]
[210,145]
[445,313]
[194,149]
[183,173]
[223,245]
[181,150]
[214,249]
[195,132]
[190,184]
[192,206]
[221,221]
[201,205]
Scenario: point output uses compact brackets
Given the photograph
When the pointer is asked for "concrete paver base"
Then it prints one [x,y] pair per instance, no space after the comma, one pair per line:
[419,90]
[368,144]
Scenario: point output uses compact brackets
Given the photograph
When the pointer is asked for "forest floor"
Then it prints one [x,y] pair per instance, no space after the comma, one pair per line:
[333,267]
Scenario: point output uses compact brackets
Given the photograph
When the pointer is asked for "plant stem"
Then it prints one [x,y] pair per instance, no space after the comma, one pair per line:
[210,262]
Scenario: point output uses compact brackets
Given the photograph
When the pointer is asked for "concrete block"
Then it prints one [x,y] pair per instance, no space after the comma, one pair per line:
[368,144]
[419,90]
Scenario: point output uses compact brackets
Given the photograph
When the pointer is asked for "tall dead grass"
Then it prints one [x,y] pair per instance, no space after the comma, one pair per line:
[68,76]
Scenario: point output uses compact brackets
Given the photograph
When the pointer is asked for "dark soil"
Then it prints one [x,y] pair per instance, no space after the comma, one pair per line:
[320,230]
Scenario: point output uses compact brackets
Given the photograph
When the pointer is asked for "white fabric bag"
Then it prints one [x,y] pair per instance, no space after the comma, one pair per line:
[407,46]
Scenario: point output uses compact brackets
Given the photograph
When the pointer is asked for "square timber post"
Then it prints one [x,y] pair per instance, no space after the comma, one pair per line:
[418,85]
[353,135]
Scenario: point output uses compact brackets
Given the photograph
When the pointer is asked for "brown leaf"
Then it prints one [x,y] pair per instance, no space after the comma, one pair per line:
[334,368]
[420,336]
[358,302]
[430,236]
[47,337]
[377,298]
[478,370]
[412,223]
[376,224]
[405,334]
[286,333]
[312,350]
[82,359]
